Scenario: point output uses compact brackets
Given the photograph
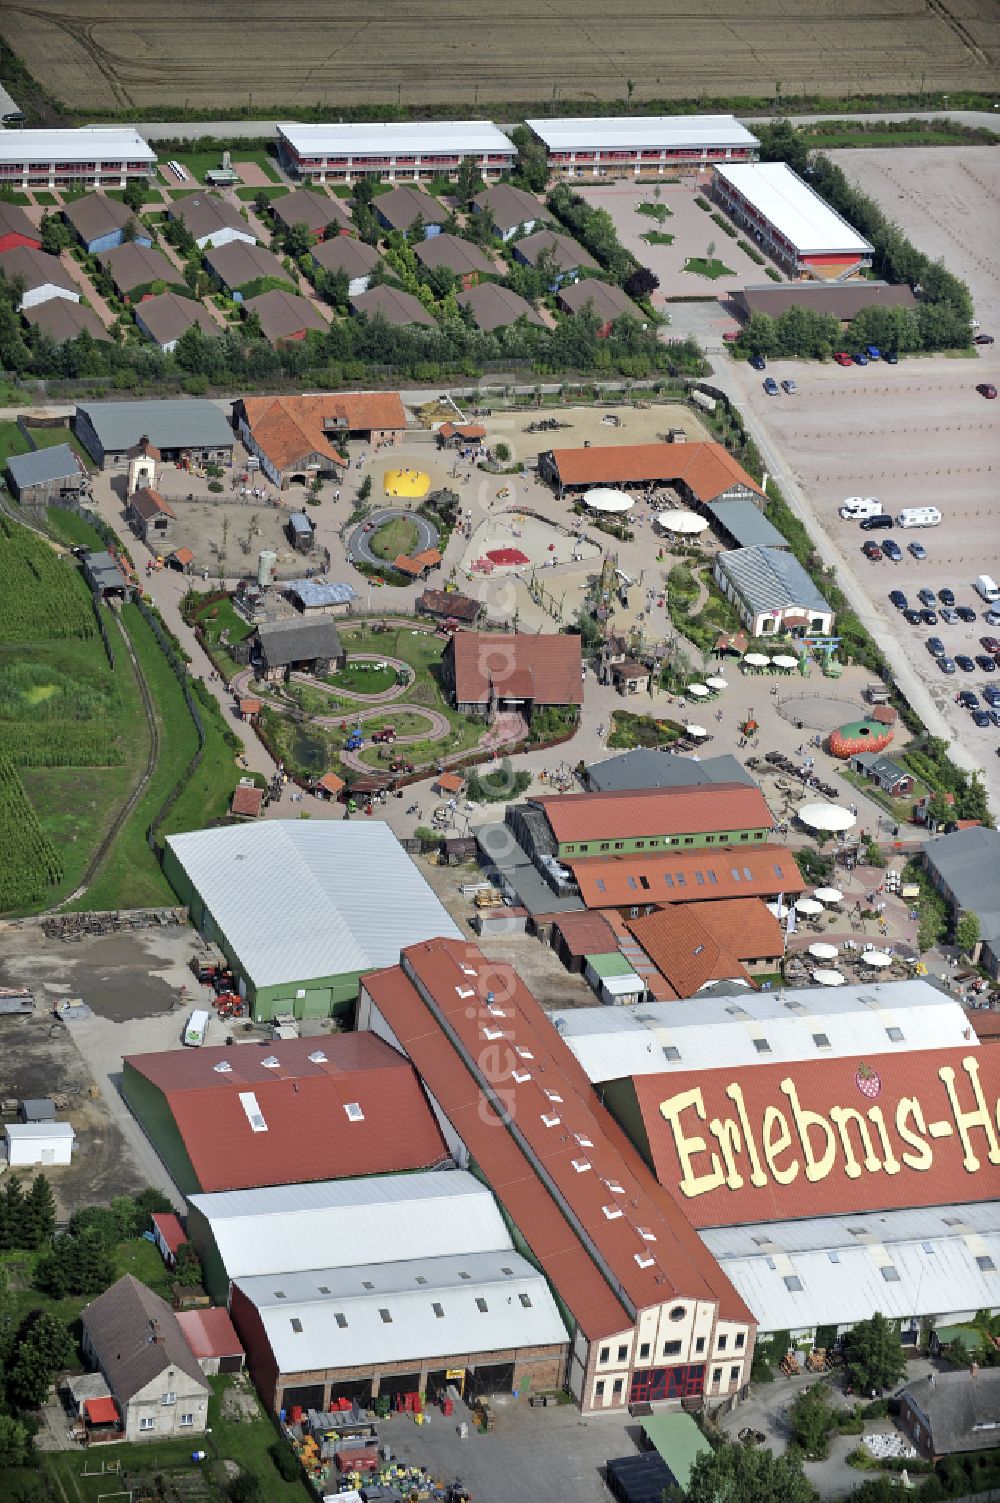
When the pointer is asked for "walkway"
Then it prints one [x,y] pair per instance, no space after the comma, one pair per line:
[359,548]
[87,288]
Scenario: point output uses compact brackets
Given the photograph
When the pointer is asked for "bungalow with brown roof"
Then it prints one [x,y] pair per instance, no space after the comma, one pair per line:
[402,207]
[165,318]
[566,257]
[285,315]
[630,677]
[135,269]
[456,255]
[417,565]
[100,222]
[247,801]
[182,559]
[354,258]
[43,276]
[485,673]
[395,307]
[239,265]
[323,216]
[512,209]
[60,320]
[449,605]
[495,307]
[210,220]
[296,437]
[150,516]
[607,302]
[460,435]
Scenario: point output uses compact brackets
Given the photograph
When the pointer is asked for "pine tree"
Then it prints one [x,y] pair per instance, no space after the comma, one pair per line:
[39,1213]
[12,1220]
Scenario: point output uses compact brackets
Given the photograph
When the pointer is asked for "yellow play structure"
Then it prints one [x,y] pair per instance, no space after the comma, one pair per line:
[407,482]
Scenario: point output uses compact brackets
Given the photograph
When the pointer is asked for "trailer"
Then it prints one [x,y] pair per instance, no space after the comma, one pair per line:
[16,1000]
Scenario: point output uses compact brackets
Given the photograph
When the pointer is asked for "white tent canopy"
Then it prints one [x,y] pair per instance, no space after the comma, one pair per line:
[829,978]
[785,660]
[605,499]
[717,683]
[877,958]
[826,817]
[696,730]
[829,895]
[757,660]
[681,521]
[808,906]
[822,951]
[698,690]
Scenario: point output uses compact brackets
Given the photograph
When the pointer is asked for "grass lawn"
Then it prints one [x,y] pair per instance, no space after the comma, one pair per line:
[398,535]
[47,200]
[216,619]
[657,237]
[249,194]
[363,677]
[656,211]
[72,529]
[12,441]
[9,196]
[200,162]
[711,269]
[47,438]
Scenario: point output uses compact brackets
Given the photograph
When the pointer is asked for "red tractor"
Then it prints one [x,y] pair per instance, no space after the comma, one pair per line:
[387,733]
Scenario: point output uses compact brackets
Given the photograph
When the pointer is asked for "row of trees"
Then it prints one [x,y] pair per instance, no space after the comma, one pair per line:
[27,1219]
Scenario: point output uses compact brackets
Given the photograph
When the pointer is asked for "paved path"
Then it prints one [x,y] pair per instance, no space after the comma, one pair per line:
[359,545]
[87,288]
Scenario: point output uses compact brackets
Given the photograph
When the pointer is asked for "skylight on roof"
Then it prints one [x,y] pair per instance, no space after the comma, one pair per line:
[481,1305]
[644,1261]
[492,1034]
[523,1053]
[468,970]
[582,1165]
[890,1274]
[296,1324]
[317,1057]
[793,1283]
[550,1119]
[525,1300]
[615,1187]
[385,1317]
[671,1051]
[354,1112]
[271,1062]
[465,992]
[646,1234]
[341,1319]
[223,1067]
[613,1213]
[438,1310]
[583,1141]
[553,1095]
[520,1076]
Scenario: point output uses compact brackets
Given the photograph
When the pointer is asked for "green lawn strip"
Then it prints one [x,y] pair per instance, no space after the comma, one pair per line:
[10,196]
[273,191]
[364,677]
[657,237]
[216,618]
[246,1442]
[700,267]
[48,438]
[130,876]
[47,200]
[656,211]
[67,1472]
[72,529]
[16,1483]
[12,441]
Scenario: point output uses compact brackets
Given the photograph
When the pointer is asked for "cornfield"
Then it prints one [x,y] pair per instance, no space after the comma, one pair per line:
[43,598]
[30,864]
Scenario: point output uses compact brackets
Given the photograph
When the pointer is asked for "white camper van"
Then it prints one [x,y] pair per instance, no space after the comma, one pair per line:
[919,516]
[988,588]
[196,1028]
[857,508]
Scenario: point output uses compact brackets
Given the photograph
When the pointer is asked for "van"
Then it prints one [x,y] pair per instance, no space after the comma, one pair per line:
[987,588]
[919,516]
[196,1028]
[881,520]
[860,506]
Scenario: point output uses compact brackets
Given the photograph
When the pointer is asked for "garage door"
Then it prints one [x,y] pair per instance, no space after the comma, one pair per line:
[399,1383]
[305,1396]
[490,1378]
[230,1364]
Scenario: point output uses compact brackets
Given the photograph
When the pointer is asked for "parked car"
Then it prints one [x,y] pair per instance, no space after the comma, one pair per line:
[898,599]
[730,336]
[935,647]
[992,617]
[878,522]
[842,357]
[995,717]
[890,357]
[985,662]
[965,663]
[860,359]
[987,389]
[946,596]
[789,387]
[917,550]
[948,615]
[892,550]
[926,596]
[991,694]
[983,339]
[947,665]
[965,613]
[982,718]
[771,386]
[968,700]
[758,362]
[871,550]
[991,644]
[929,618]
[873,352]
[912,616]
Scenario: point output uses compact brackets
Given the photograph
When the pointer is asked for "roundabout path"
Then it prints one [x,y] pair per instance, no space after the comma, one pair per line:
[359,546]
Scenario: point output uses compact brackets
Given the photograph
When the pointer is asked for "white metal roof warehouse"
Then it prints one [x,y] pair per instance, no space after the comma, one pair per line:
[293,901]
[793,209]
[416,137]
[636,132]
[941,1262]
[286,1229]
[100,143]
[794,1024]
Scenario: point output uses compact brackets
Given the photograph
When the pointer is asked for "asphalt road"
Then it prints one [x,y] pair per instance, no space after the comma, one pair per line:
[359,547]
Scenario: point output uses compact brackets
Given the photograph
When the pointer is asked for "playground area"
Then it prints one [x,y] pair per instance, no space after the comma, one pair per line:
[406,483]
[515,542]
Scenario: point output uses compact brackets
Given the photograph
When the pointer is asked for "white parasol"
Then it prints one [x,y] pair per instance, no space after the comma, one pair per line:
[696,730]
[681,521]
[829,978]
[605,499]
[808,906]
[717,683]
[826,817]
[757,660]
[877,958]
[823,951]
[829,894]
[698,690]
[785,660]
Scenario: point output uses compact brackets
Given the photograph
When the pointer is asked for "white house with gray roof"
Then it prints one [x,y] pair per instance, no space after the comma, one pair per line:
[180,429]
[772,592]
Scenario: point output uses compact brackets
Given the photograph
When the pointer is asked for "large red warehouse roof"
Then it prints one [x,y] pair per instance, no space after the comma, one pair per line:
[302,1101]
[780,1142]
[623,814]
[687,876]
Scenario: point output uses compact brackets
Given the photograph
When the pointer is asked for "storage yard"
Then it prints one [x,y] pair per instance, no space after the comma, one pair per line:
[116,60]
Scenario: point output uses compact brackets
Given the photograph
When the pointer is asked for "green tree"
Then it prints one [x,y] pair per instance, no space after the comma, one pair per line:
[874,1356]
[781,142]
[641,283]
[262,205]
[245,1488]
[82,1264]
[251,327]
[531,167]
[54,234]
[939,810]
[365,488]
[16,1446]
[740,1474]
[967,933]
[12,1215]
[134,196]
[43,1346]
[132,229]
[39,1217]
[811,1420]
[297,240]
[468,183]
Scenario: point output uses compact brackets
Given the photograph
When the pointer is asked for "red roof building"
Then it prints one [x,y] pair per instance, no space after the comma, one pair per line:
[17,229]
[486,671]
[169,1235]
[595,824]
[212,1338]
[236,1118]
[247,801]
[650,1306]
[703,472]
[684,951]
[695,876]
[821,1137]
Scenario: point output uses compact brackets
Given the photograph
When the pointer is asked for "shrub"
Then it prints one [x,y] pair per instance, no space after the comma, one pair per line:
[749,250]
[285,1460]
[775,276]
[215,486]
[703,203]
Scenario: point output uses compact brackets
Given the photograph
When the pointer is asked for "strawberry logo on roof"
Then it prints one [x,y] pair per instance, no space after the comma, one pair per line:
[868,1081]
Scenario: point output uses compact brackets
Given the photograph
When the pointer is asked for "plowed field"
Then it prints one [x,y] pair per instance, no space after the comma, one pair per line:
[106,55]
